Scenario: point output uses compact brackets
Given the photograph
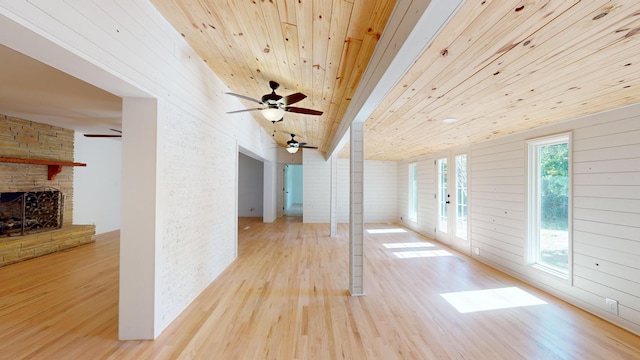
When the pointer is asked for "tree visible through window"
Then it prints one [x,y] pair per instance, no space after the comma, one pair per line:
[549,203]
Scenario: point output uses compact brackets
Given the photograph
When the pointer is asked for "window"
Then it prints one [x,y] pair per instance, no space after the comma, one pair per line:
[549,204]
[461,196]
[443,198]
[413,192]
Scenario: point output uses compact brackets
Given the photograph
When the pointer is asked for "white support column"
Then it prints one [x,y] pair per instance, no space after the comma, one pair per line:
[356,218]
[333,219]
[137,302]
[269,192]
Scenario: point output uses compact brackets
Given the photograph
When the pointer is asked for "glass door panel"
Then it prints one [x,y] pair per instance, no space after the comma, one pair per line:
[452,201]
[461,196]
[443,198]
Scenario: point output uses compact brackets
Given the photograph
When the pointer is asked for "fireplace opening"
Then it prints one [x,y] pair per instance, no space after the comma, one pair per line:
[27,212]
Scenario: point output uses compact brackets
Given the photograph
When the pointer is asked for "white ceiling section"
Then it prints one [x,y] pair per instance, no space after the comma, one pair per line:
[34,91]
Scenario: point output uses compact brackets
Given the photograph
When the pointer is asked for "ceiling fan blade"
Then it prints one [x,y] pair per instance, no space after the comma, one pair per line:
[293,98]
[302,110]
[302,144]
[116,130]
[245,97]
[308,147]
[243,110]
[102,136]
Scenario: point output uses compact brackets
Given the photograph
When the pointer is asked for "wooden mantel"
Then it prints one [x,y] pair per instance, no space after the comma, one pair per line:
[55,166]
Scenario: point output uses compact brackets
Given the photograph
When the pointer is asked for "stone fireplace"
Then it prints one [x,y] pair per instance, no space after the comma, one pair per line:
[48,204]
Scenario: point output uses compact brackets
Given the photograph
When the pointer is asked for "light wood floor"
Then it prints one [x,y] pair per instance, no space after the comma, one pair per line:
[285,298]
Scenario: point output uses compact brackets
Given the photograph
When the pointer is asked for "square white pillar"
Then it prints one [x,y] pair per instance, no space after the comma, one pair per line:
[356,208]
[333,219]
[137,302]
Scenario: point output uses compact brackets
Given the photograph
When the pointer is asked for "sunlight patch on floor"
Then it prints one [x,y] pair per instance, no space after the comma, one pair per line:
[421,254]
[492,299]
[408,245]
[386,231]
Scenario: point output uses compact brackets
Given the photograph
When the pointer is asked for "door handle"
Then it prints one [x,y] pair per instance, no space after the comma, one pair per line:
[448,201]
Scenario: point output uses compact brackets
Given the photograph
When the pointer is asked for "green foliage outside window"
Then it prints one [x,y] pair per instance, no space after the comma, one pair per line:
[554,190]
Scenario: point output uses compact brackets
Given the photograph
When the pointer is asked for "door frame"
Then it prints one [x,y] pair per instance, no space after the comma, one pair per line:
[449,236]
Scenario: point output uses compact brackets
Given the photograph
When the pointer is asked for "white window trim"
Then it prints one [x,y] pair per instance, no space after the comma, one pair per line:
[533,237]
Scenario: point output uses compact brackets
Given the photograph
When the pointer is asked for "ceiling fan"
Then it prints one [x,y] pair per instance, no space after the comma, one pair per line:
[293,145]
[105,135]
[274,105]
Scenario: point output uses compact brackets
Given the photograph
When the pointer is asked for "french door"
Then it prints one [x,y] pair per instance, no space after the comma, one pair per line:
[452,201]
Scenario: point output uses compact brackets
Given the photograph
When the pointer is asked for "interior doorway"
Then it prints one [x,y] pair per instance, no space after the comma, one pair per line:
[250,186]
[292,204]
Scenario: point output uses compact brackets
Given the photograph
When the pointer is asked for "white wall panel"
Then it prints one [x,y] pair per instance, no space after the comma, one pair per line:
[316,175]
[380,191]
[380,188]
[342,209]
[96,187]
[606,210]
[250,186]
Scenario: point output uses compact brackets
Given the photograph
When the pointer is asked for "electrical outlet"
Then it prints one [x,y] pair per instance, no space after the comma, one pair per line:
[612,306]
[476,250]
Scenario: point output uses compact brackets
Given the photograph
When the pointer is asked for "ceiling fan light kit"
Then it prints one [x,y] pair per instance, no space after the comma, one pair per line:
[273,114]
[293,145]
[276,105]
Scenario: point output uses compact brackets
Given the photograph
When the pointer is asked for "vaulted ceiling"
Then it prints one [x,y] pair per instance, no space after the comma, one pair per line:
[498,67]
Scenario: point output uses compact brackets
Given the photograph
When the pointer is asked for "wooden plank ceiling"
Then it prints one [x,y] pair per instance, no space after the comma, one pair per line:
[498,67]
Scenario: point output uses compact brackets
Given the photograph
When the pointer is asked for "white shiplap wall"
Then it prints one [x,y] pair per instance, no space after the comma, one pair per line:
[606,210]
[606,213]
[316,187]
[342,210]
[380,189]
[499,214]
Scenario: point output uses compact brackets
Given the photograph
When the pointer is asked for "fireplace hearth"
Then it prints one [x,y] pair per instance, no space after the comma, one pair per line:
[27,212]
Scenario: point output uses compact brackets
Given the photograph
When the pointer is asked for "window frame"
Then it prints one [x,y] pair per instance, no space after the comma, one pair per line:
[458,196]
[533,206]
